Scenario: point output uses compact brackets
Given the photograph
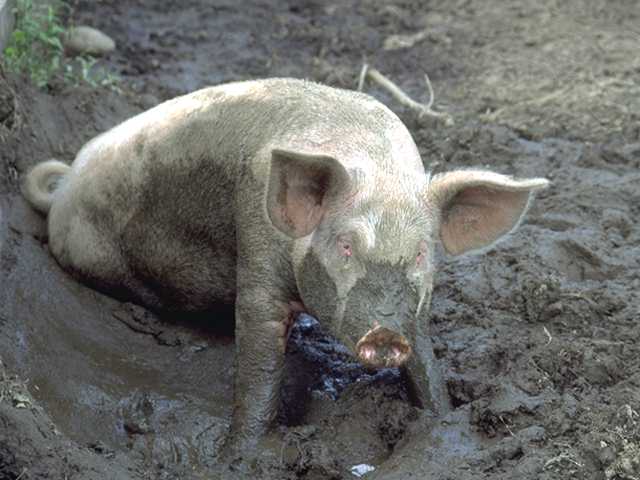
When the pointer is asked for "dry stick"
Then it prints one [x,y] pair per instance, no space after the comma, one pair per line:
[432,96]
[403,98]
[506,426]
[363,74]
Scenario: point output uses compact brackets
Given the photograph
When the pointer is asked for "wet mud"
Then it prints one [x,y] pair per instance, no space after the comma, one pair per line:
[537,338]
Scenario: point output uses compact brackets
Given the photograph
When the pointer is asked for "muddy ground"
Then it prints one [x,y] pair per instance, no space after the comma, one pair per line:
[538,338]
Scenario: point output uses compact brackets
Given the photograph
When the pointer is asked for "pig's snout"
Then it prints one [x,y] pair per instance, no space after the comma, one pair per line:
[381,347]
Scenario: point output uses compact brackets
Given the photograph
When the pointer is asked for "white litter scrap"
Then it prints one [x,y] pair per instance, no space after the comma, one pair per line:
[362,469]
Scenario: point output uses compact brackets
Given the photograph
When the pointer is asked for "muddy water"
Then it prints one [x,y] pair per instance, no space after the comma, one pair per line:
[107,372]
[537,337]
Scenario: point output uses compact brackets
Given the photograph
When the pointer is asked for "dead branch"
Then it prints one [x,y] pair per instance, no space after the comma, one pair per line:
[420,108]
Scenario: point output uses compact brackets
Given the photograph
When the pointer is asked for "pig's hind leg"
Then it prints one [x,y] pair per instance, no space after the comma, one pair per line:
[86,249]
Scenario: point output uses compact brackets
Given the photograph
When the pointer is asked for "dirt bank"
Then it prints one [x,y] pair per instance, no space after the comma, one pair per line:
[537,337]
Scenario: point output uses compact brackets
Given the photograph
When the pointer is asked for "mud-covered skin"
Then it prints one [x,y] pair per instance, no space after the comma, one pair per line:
[385,300]
[275,194]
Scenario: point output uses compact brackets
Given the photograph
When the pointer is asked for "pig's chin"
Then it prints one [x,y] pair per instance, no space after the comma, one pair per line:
[382,348]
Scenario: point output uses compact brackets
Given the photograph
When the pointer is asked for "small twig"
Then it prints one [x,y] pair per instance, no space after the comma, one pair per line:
[548,335]
[395,91]
[24,470]
[432,95]
[506,426]
[361,78]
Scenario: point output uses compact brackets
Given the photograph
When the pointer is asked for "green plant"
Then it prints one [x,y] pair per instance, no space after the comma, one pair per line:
[35,46]
[83,69]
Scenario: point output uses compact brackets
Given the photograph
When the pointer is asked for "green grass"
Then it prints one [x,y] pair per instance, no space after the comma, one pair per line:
[35,48]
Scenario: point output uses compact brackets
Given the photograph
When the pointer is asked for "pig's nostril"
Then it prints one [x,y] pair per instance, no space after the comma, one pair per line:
[368,352]
[382,355]
[381,347]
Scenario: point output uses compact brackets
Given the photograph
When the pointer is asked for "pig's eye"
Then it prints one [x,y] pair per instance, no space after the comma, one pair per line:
[344,247]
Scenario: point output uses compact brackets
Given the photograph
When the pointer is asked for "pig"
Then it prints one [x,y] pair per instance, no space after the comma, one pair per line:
[280,196]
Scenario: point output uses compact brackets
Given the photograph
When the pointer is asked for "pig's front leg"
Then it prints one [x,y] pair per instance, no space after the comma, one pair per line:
[422,372]
[262,327]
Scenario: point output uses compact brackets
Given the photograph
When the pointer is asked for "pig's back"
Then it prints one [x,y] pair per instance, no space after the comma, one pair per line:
[165,185]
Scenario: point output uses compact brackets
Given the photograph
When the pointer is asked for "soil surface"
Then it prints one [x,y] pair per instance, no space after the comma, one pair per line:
[537,338]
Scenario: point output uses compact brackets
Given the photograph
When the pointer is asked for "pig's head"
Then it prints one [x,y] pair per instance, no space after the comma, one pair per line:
[363,255]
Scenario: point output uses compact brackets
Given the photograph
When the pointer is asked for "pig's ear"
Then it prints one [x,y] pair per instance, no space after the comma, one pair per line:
[478,207]
[300,187]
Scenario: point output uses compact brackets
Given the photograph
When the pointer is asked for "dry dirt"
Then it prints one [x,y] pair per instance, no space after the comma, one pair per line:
[538,338]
